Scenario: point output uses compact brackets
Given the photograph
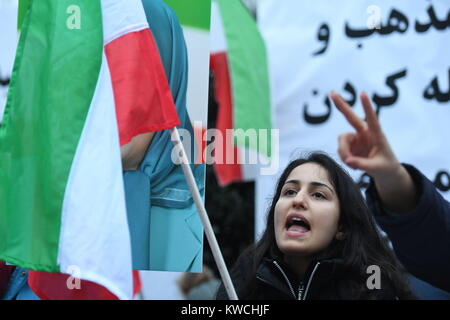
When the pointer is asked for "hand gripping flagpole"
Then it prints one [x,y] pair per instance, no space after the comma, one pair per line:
[203,215]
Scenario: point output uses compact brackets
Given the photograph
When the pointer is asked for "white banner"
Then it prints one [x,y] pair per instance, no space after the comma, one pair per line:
[8,43]
[398,52]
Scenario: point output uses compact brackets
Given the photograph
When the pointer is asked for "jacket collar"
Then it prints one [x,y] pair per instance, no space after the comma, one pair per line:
[274,272]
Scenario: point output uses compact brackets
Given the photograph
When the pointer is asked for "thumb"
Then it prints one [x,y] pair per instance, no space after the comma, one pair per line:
[359,163]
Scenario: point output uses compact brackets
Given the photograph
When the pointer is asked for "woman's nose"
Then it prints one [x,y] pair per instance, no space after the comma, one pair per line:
[299,201]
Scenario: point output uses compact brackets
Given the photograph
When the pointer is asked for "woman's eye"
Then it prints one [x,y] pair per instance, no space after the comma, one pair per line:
[290,192]
[318,195]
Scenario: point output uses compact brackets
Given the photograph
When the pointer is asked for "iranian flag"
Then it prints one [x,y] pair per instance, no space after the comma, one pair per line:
[239,64]
[196,31]
[87,79]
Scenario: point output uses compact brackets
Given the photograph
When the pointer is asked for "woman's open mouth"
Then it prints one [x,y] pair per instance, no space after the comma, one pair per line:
[297,225]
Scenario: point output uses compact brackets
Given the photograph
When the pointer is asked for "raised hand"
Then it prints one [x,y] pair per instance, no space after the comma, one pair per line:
[369,150]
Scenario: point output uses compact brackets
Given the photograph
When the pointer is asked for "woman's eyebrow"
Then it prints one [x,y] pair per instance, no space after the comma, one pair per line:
[297,182]
[314,183]
[320,184]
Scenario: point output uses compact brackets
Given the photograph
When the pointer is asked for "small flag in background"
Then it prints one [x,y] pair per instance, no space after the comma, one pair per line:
[87,75]
[239,63]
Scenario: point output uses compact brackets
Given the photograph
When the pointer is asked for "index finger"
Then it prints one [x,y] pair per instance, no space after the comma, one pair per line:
[348,113]
[371,117]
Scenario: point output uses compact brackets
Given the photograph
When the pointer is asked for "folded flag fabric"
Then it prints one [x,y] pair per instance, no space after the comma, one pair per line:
[87,78]
[241,82]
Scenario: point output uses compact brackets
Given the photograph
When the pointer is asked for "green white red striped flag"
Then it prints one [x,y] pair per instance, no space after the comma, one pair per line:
[87,76]
[239,63]
[196,31]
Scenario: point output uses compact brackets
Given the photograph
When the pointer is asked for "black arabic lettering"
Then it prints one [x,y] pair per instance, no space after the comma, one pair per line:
[397,22]
[434,21]
[323,36]
[4,82]
[389,100]
[432,91]
[362,33]
[350,89]
[439,181]
[317,119]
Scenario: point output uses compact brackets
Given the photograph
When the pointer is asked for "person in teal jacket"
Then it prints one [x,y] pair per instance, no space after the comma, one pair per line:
[166,232]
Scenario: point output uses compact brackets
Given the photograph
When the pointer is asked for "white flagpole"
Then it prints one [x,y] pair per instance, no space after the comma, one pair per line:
[226,279]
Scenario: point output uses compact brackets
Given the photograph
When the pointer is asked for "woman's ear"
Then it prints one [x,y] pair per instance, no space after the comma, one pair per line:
[341,234]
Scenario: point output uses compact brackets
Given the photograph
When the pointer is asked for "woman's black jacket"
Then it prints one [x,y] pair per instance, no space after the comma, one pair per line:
[324,280]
